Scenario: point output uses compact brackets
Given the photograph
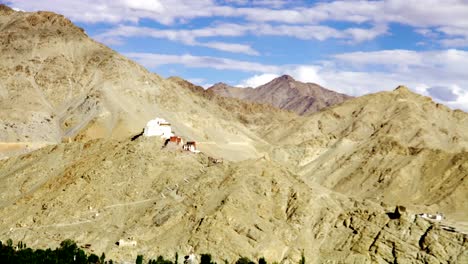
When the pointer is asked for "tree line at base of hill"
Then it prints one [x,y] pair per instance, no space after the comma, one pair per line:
[69,252]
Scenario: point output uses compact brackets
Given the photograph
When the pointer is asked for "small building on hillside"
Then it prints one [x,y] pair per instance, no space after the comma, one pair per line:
[191,146]
[176,140]
[435,217]
[126,243]
[158,127]
[190,259]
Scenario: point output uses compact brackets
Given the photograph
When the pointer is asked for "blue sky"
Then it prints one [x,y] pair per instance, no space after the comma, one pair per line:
[355,47]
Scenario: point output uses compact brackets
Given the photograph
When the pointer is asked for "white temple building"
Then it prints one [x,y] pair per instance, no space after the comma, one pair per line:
[158,127]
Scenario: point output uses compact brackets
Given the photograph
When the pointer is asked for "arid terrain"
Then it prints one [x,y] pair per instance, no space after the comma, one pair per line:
[323,179]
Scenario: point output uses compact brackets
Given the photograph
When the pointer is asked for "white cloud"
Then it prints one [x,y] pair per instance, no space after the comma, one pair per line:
[148,5]
[187,37]
[151,60]
[357,35]
[191,37]
[431,13]
[306,74]
[116,11]
[385,57]
[442,93]
[303,73]
[455,42]
[301,32]
[442,16]
[257,80]
[363,72]
[266,3]
[454,36]
[17,9]
[230,47]
[443,65]
[197,81]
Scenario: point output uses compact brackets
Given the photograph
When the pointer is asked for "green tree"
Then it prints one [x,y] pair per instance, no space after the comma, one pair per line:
[206,259]
[139,259]
[262,261]
[93,259]
[302,261]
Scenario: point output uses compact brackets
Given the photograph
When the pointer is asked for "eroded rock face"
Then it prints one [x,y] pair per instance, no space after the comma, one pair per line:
[406,239]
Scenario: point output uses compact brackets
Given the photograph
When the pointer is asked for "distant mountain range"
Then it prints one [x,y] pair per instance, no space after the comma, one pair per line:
[286,93]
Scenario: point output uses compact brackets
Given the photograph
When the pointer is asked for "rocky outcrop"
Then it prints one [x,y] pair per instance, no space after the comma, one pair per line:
[405,238]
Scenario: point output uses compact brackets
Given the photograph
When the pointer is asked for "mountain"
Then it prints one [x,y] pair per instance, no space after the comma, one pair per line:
[57,84]
[286,93]
[324,184]
[397,147]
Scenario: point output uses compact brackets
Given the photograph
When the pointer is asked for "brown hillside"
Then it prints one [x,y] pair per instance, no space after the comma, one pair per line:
[101,191]
[391,146]
[285,93]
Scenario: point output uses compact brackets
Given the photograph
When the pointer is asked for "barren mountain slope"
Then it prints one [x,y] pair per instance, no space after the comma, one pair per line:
[257,117]
[101,191]
[286,93]
[392,146]
[57,84]
[225,90]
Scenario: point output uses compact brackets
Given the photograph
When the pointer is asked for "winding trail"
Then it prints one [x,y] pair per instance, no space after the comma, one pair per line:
[87,212]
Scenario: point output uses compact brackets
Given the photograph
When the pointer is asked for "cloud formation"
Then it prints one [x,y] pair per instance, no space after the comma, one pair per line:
[447,17]
[152,60]
[442,93]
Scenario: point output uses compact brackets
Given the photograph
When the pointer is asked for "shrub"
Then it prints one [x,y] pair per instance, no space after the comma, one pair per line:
[244,260]
[206,259]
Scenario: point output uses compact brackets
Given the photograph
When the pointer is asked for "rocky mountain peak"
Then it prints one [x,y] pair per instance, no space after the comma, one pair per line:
[286,77]
[41,20]
[402,88]
[285,92]
[220,85]
[4,9]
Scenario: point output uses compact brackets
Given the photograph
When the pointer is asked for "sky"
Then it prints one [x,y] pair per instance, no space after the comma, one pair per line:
[354,47]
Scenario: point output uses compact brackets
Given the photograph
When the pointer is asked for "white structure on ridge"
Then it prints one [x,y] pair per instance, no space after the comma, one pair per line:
[158,127]
[126,243]
[436,217]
